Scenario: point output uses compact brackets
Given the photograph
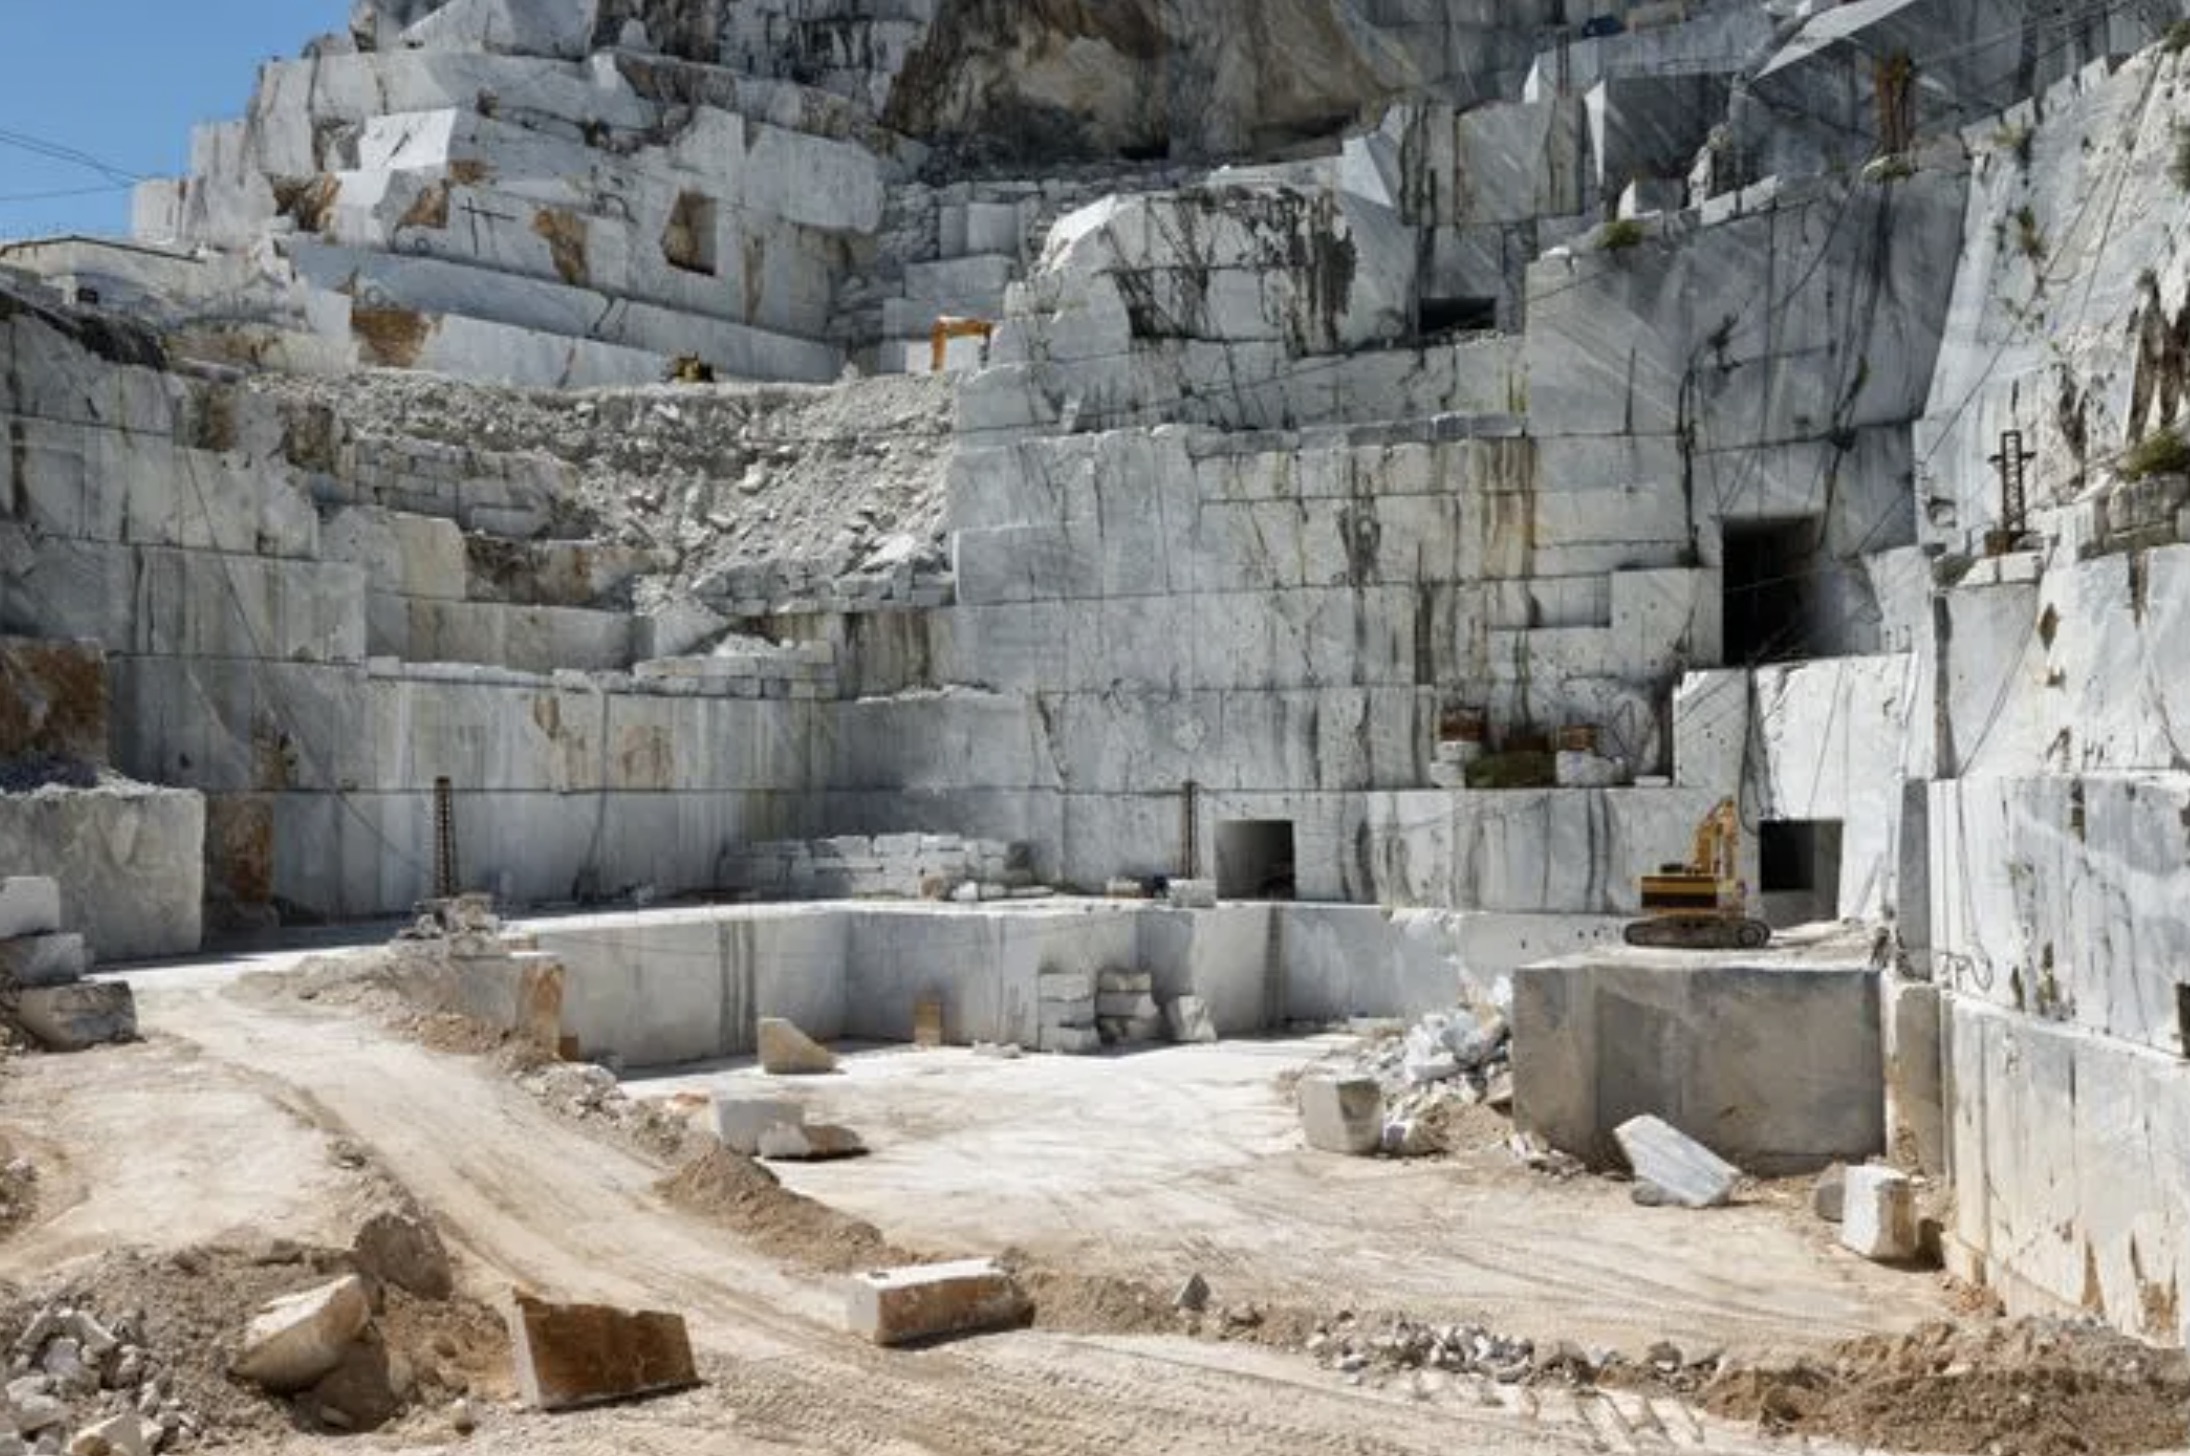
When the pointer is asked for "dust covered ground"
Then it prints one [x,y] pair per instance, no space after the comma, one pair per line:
[1457,1302]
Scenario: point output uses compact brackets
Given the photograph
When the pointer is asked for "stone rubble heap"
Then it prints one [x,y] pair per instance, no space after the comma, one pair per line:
[42,987]
[88,1386]
[1448,1057]
[1357,1347]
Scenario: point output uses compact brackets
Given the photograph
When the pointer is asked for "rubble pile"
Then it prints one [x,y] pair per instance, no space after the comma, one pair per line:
[585,1093]
[1357,1347]
[762,495]
[2040,1387]
[84,1384]
[1448,1059]
[136,1352]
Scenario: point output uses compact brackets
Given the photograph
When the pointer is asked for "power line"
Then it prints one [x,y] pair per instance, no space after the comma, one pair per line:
[61,152]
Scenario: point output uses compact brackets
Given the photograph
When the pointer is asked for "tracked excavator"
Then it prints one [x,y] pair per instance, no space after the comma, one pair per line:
[1701,905]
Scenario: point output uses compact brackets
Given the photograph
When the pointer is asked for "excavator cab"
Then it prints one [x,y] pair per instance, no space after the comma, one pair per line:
[1703,904]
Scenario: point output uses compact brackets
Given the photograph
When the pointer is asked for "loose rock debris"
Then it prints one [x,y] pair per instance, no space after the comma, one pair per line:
[2034,1387]
[138,1350]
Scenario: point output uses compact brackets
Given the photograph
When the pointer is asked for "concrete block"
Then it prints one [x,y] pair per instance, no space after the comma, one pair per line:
[1878,1214]
[1188,1020]
[1071,1041]
[1686,1171]
[741,1122]
[1126,1005]
[1194,894]
[520,992]
[72,1017]
[571,1355]
[897,1306]
[785,1051]
[1828,1196]
[137,853]
[43,960]
[29,905]
[808,1142]
[292,1341]
[1342,1114]
[1079,1012]
[1776,1064]
[1064,985]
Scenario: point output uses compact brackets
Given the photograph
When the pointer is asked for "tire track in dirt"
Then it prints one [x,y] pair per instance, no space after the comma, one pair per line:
[531,1199]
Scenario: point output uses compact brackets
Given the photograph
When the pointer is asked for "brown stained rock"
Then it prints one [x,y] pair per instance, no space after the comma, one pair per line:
[390,338]
[785,1051]
[572,1355]
[53,700]
[239,847]
[565,234]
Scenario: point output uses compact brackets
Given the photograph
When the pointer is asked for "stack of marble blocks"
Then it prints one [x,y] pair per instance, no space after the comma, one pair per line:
[1083,1011]
[859,866]
[42,973]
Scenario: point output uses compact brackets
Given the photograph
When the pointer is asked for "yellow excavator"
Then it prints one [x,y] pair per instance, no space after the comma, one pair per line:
[1701,905]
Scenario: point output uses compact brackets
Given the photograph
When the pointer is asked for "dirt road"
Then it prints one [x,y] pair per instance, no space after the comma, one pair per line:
[529,1199]
[1189,1159]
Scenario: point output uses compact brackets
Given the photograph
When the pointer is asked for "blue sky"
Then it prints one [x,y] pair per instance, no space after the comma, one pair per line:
[124,81]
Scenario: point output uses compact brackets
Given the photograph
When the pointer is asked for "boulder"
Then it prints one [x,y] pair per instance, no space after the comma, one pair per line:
[295,1340]
[1878,1214]
[1342,1114]
[1684,1170]
[1828,1194]
[35,1410]
[29,905]
[83,1014]
[809,1142]
[740,1122]
[401,1247]
[570,1355]
[785,1051]
[922,1302]
[1188,1020]
[122,1435]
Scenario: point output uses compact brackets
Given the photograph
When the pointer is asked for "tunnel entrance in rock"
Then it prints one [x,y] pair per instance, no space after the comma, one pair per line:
[1770,571]
[1466,315]
[1255,859]
[1798,869]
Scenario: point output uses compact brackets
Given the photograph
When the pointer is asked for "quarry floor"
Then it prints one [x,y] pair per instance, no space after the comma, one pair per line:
[244,1117]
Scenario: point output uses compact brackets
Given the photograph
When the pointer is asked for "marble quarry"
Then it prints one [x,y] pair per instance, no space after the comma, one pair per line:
[1402,462]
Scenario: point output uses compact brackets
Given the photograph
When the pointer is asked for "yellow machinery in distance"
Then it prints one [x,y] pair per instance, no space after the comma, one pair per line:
[1701,905]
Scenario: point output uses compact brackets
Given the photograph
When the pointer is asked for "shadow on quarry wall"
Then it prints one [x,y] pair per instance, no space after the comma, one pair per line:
[1139,78]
